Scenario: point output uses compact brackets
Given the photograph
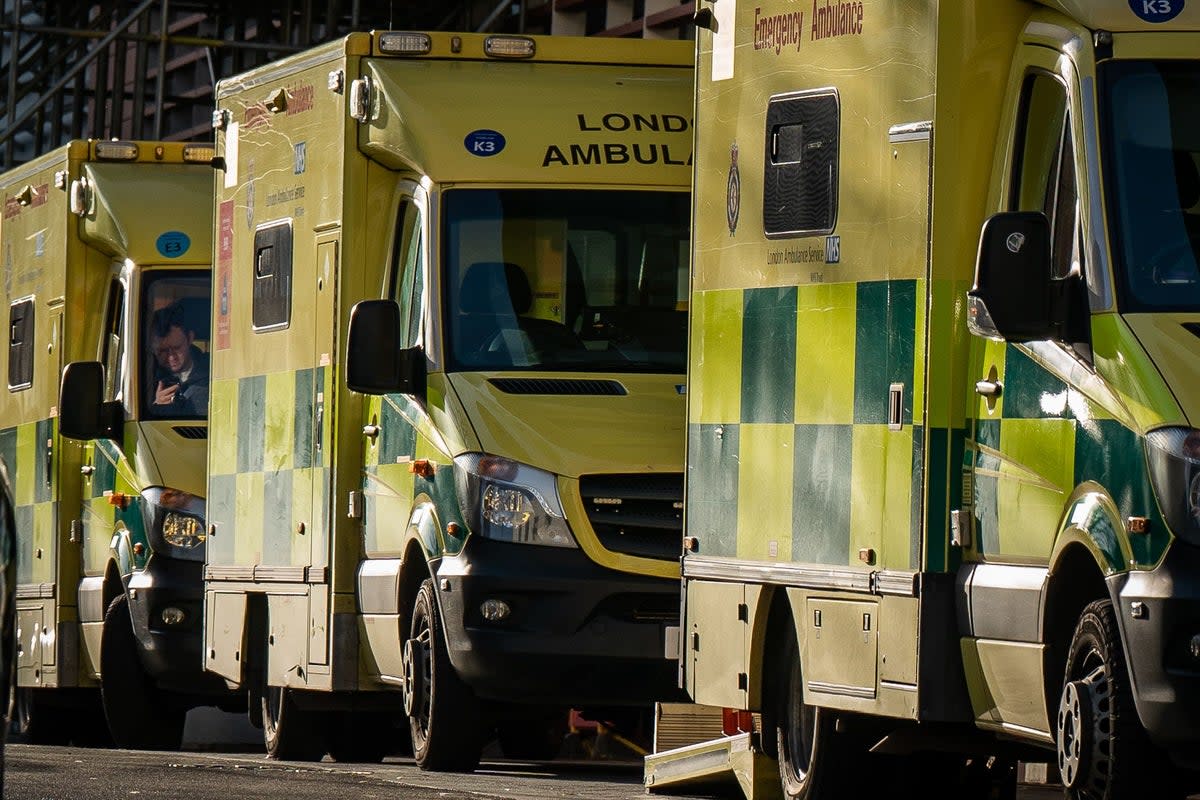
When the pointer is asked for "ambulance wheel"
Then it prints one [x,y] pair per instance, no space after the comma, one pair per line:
[443,712]
[1103,751]
[813,758]
[140,716]
[90,727]
[290,733]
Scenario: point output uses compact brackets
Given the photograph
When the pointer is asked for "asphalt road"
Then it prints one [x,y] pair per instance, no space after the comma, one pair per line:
[65,773]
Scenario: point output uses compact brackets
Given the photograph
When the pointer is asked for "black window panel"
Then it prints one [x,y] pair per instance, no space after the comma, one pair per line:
[800,184]
[20,345]
[272,276]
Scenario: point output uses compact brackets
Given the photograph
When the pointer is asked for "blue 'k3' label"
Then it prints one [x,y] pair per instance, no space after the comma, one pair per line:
[484,143]
[173,244]
[1157,10]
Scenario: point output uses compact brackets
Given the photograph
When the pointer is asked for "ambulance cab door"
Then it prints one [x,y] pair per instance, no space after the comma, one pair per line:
[389,481]
[391,425]
[1021,424]
[100,456]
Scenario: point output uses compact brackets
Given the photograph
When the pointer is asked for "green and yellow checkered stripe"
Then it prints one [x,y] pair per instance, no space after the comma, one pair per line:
[1042,439]
[390,488]
[271,475]
[112,472]
[35,496]
[800,465]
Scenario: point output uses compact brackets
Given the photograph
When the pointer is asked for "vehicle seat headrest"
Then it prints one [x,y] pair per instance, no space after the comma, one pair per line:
[491,287]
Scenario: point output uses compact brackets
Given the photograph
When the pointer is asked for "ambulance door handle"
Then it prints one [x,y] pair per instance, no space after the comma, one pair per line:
[370,431]
[87,469]
[989,388]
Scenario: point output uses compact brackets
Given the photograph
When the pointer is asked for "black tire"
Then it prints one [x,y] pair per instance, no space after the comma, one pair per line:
[364,738]
[443,712]
[140,716]
[813,759]
[90,726]
[290,733]
[1103,750]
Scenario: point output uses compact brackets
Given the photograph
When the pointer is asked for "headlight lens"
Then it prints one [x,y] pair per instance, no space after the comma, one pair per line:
[1173,456]
[181,530]
[511,502]
[175,522]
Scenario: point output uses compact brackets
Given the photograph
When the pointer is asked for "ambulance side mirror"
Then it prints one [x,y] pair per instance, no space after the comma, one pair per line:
[82,412]
[375,361]
[1014,291]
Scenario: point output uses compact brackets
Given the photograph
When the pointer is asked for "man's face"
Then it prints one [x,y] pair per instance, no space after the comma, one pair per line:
[174,351]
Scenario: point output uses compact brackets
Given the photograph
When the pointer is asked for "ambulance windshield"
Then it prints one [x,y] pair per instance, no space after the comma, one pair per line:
[566,280]
[1152,162]
[175,332]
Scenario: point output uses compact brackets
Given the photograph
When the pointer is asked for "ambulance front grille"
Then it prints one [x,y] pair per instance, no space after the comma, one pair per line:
[574,386]
[191,431]
[638,515]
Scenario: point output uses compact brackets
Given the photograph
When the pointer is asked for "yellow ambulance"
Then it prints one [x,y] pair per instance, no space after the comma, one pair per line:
[102,243]
[942,490]
[493,536]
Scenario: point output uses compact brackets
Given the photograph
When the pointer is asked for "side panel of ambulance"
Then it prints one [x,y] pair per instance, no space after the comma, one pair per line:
[279,601]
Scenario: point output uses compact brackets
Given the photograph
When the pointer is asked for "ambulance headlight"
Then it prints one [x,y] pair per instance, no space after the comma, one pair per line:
[511,502]
[182,530]
[175,523]
[1173,457]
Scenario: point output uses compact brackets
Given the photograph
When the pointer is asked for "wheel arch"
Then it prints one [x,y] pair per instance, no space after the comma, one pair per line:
[1075,579]
[414,570]
[114,585]
[774,619]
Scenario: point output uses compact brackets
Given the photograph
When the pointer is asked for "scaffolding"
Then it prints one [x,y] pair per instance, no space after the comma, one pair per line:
[147,68]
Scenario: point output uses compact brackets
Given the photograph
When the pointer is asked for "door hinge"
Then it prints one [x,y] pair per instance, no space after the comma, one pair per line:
[355,507]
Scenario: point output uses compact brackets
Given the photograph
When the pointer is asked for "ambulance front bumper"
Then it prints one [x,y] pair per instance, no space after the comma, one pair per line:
[1159,616]
[576,633]
[171,652]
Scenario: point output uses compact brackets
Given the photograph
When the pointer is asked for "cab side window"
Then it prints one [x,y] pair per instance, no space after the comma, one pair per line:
[1044,168]
[406,283]
[114,343]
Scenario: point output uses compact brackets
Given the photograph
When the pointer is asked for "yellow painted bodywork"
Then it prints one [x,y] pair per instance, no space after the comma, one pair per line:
[1173,350]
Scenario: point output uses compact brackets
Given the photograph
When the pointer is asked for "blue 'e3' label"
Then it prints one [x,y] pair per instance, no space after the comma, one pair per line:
[173,244]
[1157,10]
[484,143]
